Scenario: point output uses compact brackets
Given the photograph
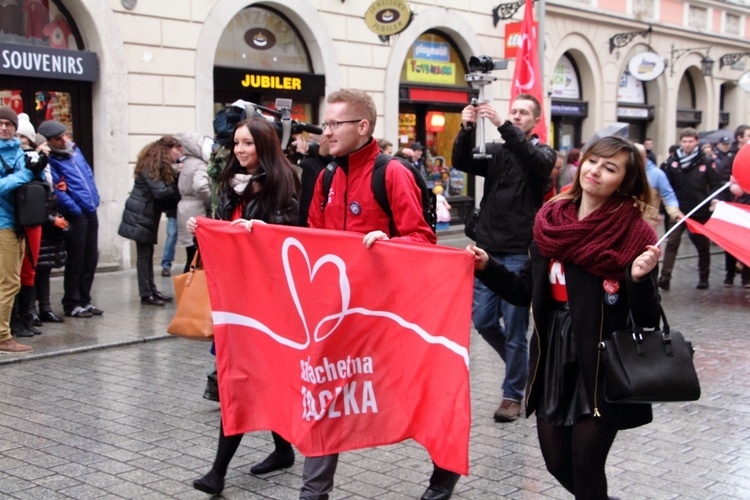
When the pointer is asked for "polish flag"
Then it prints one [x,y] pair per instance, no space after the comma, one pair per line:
[728,227]
[527,77]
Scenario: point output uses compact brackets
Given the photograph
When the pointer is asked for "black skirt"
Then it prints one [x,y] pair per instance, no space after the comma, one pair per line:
[565,399]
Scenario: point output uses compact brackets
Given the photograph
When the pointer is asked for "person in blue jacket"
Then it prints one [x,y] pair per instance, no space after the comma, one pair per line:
[14,172]
[78,202]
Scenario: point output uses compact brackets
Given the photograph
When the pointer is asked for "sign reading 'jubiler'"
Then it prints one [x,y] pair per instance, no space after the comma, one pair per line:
[388,17]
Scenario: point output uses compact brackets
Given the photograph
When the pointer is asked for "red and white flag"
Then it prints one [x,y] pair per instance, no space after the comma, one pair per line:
[527,77]
[337,347]
[728,227]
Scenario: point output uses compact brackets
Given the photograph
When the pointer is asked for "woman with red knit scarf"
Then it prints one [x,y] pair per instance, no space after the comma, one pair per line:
[591,264]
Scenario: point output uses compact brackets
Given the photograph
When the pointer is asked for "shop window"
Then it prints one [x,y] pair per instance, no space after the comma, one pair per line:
[44,23]
[262,38]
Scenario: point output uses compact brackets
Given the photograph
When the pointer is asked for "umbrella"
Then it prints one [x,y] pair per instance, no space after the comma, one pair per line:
[616,128]
[715,136]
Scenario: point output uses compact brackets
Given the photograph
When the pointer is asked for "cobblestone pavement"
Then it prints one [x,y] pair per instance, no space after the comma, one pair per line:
[128,421]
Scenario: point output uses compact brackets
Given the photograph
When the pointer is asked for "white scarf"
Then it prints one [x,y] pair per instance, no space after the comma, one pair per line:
[240,181]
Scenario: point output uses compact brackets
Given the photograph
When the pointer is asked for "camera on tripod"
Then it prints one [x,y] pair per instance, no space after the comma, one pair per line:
[479,76]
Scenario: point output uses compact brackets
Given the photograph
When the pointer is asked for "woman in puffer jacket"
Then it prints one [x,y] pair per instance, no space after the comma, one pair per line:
[155,183]
[194,186]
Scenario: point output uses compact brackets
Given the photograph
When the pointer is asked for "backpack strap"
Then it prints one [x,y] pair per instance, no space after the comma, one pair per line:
[328,174]
[8,170]
[378,184]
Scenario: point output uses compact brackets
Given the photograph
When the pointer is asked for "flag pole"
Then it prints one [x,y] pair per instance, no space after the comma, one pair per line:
[710,197]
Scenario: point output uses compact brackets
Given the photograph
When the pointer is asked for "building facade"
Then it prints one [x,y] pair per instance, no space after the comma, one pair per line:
[121,73]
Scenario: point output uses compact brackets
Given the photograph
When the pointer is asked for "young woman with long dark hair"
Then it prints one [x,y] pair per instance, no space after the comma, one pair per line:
[592,263]
[258,184]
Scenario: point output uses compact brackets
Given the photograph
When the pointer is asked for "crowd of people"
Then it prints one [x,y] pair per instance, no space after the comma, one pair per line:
[571,234]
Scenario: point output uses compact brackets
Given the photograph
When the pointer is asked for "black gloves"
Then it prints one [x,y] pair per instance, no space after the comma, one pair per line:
[36,162]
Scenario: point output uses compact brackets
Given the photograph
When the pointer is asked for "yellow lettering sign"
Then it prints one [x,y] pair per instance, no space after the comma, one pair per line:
[272,82]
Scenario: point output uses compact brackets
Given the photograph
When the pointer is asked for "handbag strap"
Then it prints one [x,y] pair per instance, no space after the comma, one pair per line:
[638,332]
[197,262]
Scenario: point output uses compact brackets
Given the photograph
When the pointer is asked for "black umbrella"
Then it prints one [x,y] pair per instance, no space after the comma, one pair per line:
[715,136]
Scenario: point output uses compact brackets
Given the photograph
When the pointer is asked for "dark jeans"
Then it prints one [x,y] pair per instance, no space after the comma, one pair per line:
[83,255]
[41,284]
[702,244]
[730,263]
[144,264]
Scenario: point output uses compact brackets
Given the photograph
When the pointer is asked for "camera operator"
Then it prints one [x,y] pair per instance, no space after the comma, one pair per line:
[516,174]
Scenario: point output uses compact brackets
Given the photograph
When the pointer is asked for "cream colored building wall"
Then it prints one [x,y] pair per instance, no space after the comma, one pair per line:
[157,67]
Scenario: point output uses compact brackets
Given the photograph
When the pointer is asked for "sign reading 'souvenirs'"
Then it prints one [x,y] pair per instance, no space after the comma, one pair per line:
[44,62]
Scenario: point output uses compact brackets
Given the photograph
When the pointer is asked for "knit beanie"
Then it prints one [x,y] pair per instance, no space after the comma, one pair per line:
[7,113]
[25,128]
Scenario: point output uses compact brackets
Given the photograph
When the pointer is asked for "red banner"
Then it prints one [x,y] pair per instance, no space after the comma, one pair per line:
[527,77]
[337,347]
[728,227]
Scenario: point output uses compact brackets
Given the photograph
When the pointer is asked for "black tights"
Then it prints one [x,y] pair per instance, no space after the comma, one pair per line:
[576,455]
[228,446]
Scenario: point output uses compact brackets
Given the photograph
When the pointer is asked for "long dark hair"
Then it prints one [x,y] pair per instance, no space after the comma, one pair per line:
[278,184]
[635,183]
[155,160]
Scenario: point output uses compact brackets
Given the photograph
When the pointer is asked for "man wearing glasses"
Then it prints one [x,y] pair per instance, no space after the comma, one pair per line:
[350,205]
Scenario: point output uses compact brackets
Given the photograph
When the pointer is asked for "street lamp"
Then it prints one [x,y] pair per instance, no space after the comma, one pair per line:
[707,64]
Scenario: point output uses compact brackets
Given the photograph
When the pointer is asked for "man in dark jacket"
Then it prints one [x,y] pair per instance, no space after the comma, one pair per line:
[78,203]
[693,177]
[516,174]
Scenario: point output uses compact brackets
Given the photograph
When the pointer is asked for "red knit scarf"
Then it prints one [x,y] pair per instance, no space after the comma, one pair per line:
[602,243]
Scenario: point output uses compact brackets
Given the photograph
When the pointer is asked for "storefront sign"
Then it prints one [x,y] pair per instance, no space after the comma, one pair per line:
[630,90]
[634,113]
[433,51]
[44,62]
[513,38]
[425,71]
[646,66]
[236,79]
[388,17]
[580,109]
[565,83]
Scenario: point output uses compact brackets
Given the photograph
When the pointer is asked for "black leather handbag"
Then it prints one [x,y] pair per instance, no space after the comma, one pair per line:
[649,366]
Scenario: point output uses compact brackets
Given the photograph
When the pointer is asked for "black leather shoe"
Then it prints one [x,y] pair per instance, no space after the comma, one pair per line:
[50,317]
[161,296]
[663,283]
[21,332]
[441,486]
[211,483]
[27,324]
[274,461]
[702,285]
[35,319]
[152,300]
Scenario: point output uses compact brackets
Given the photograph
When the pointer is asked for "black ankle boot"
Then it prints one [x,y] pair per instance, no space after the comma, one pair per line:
[211,392]
[212,483]
[441,486]
[17,327]
[275,461]
[25,299]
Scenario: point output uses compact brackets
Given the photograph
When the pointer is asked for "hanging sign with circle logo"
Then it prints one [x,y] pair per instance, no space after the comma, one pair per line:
[388,17]
[260,38]
[646,66]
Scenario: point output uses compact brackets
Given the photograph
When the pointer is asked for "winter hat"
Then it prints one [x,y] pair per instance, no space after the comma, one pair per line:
[25,128]
[7,113]
[51,128]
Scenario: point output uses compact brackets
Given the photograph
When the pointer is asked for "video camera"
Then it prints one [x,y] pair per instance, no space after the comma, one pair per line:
[281,118]
[478,76]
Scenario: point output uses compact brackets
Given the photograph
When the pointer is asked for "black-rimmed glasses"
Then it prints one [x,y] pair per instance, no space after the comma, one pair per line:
[333,125]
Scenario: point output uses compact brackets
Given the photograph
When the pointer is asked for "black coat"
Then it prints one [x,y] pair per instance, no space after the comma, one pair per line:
[693,184]
[228,202]
[593,319]
[52,252]
[515,180]
[140,219]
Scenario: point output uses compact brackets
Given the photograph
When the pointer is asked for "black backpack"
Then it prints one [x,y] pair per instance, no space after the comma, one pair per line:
[429,200]
[31,200]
